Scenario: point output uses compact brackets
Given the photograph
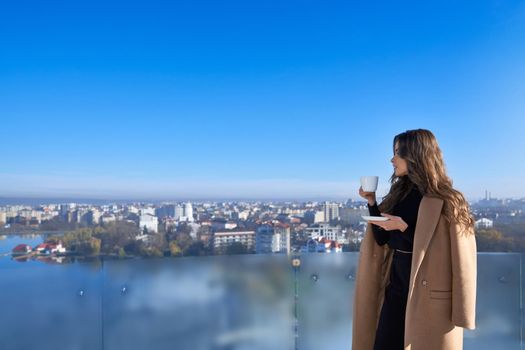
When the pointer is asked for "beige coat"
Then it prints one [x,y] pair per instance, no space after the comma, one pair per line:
[442,291]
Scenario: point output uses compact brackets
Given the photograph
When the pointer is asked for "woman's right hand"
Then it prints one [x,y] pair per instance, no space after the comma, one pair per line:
[369,196]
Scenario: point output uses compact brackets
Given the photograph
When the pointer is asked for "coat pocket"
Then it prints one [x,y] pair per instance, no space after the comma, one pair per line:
[440,294]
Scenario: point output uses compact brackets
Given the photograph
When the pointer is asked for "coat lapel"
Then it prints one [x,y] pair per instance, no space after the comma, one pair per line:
[427,219]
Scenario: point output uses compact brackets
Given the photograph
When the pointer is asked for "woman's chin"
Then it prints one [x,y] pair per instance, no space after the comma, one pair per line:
[399,174]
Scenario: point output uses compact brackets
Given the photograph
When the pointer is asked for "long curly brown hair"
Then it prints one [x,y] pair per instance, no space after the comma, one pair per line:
[426,170]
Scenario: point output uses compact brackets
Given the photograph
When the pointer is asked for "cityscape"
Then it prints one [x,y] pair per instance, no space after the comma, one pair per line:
[185,174]
[223,228]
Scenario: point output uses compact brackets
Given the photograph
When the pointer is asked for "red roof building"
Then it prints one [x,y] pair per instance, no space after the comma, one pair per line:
[22,249]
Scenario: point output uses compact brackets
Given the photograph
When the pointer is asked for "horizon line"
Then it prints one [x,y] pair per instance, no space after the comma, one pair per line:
[4,200]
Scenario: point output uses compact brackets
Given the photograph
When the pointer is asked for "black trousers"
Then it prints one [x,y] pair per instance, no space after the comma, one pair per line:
[390,333]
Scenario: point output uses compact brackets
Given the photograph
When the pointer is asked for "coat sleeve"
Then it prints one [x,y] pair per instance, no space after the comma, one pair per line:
[381,236]
[464,274]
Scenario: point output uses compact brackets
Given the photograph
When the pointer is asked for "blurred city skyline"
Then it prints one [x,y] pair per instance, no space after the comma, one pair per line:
[260,100]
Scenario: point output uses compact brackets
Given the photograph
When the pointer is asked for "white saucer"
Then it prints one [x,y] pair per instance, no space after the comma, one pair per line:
[375,218]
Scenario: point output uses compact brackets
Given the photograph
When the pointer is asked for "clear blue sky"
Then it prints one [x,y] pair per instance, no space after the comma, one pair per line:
[256,99]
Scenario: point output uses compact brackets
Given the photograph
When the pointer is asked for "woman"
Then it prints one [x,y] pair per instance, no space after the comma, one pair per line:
[416,279]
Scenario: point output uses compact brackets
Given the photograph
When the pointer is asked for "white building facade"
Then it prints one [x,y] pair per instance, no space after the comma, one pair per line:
[332,233]
[150,222]
[221,240]
[484,223]
[331,211]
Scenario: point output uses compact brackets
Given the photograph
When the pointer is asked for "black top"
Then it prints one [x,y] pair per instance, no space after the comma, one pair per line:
[407,209]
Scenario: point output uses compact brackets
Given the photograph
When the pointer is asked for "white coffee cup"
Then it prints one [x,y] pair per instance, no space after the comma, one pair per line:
[369,183]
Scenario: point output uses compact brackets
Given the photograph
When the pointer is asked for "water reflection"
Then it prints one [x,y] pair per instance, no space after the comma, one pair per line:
[9,242]
[243,302]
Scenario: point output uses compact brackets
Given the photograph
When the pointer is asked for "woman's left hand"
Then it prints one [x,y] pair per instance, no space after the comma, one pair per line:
[395,223]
